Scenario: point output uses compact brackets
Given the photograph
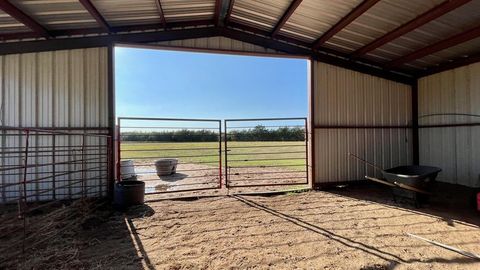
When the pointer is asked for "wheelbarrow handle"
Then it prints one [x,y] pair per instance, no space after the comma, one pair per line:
[380,181]
[366,162]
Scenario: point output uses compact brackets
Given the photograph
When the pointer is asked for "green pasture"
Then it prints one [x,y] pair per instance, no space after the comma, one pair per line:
[276,153]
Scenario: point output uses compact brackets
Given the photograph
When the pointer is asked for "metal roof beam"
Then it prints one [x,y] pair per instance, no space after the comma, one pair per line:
[89,31]
[218,8]
[354,14]
[222,7]
[293,6]
[104,40]
[426,17]
[146,37]
[20,16]
[161,14]
[436,47]
[324,51]
[96,14]
[271,43]
[229,12]
[471,59]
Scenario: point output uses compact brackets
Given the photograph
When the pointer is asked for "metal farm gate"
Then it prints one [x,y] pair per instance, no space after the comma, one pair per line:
[247,153]
[266,152]
[189,152]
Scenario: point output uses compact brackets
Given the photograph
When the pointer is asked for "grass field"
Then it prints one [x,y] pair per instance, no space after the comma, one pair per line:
[291,154]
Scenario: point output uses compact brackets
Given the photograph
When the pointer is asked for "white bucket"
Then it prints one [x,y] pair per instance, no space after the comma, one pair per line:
[127,170]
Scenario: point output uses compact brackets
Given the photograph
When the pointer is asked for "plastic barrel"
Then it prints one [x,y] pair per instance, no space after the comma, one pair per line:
[129,193]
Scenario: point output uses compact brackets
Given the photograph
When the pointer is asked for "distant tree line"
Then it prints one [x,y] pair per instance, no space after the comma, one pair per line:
[259,133]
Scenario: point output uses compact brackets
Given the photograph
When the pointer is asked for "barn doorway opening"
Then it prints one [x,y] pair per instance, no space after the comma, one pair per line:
[224,121]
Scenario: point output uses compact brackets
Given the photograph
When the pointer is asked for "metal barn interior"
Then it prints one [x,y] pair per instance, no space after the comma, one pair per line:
[383,75]
[394,82]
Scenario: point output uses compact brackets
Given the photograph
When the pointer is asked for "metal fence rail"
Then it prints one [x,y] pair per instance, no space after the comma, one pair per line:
[262,156]
[38,167]
[41,165]
[194,143]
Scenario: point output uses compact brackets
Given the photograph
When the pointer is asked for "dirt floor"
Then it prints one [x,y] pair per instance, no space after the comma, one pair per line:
[352,228]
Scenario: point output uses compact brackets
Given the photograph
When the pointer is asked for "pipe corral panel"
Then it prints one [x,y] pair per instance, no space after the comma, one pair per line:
[61,89]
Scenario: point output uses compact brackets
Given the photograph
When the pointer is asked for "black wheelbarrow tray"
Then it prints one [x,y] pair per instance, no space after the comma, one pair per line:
[414,178]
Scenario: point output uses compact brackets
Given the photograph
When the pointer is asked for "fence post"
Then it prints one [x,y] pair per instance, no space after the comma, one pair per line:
[25,169]
[23,207]
[54,167]
[119,157]
[225,134]
[84,168]
[220,151]
[307,150]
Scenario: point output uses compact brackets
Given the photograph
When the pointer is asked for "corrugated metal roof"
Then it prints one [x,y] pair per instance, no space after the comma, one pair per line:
[382,18]
[260,14]
[125,12]
[180,10]
[10,25]
[57,14]
[314,17]
[453,53]
[310,20]
[432,32]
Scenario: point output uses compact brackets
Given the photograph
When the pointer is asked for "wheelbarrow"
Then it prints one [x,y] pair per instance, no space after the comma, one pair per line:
[413,182]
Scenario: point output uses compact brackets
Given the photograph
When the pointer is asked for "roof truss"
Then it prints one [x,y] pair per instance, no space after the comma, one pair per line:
[96,15]
[290,10]
[426,17]
[441,45]
[355,13]
[160,13]
[273,39]
[20,16]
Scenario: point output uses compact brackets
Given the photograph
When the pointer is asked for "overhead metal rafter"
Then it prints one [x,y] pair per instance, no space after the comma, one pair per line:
[20,16]
[229,11]
[338,56]
[474,58]
[355,13]
[96,15]
[426,17]
[117,29]
[293,6]
[218,8]
[164,35]
[161,14]
[104,40]
[436,47]
[222,7]
[277,42]
[322,57]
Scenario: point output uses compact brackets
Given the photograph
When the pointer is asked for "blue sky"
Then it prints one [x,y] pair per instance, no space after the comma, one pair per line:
[159,83]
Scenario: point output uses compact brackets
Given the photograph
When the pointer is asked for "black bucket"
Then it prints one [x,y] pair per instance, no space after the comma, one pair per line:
[130,192]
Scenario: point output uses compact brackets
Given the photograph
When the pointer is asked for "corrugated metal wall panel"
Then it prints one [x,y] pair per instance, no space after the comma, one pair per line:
[349,98]
[454,149]
[218,43]
[52,89]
